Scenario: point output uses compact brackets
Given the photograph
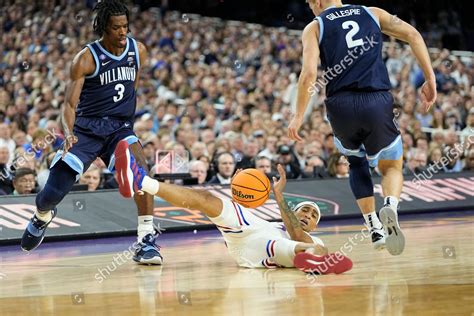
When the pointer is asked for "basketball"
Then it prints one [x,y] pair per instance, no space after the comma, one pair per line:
[250,188]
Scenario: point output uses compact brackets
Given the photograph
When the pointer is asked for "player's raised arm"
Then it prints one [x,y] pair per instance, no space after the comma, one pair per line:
[292,223]
[307,77]
[82,65]
[393,26]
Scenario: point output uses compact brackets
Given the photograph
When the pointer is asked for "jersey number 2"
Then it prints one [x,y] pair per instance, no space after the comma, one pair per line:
[354,29]
[121,89]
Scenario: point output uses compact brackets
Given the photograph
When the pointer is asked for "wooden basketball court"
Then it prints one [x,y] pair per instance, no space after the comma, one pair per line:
[434,276]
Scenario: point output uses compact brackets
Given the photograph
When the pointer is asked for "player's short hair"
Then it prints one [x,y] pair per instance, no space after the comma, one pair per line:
[104,10]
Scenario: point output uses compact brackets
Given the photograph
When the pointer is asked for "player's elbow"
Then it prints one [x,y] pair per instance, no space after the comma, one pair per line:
[414,37]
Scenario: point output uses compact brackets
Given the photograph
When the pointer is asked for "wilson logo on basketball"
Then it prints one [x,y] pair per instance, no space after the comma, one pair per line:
[239,194]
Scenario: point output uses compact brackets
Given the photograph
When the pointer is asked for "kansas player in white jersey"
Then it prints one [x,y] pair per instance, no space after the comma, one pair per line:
[251,241]
[97,114]
[348,40]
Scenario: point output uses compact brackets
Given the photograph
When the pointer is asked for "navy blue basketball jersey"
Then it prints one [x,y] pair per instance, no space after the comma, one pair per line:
[350,43]
[110,90]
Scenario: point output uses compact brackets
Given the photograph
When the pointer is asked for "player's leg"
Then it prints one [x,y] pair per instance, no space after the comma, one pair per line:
[362,188]
[384,147]
[146,252]
[64,173]
[348,137]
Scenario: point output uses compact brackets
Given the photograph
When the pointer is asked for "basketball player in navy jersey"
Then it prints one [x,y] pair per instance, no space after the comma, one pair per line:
[98,113]
[348,39]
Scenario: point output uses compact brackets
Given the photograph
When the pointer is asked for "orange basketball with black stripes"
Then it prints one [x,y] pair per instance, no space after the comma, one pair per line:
[250,188]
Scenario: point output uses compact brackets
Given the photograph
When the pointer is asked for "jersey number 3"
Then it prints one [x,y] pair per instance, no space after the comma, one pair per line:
[121,89]
[354,29]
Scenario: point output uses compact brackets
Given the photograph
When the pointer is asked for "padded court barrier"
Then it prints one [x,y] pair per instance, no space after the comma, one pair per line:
[106,213]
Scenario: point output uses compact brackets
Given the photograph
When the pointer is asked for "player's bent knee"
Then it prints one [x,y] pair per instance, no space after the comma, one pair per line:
[60,182]
[359,177]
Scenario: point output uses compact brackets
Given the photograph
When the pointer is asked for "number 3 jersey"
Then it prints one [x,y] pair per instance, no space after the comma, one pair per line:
[350,43]
[110,90]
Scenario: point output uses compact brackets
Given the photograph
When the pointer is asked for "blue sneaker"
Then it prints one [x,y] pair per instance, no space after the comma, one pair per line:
[34,232]
[147,251]
[128,173]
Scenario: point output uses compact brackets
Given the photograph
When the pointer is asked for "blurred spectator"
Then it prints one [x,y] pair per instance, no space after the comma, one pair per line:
[6,186]
[338,166]
[198,149]
[23,181]
[91,177]
[198,170]
[270,149]
[224,166]
[453,155]
[435,155]
[289,162]
[416,162]
[149,152]
[43,173]
[315,167]
[263,164]
[193,92]
[250,153]
[469,161]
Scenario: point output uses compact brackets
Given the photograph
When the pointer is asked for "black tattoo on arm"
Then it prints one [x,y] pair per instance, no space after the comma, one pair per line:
[295,223]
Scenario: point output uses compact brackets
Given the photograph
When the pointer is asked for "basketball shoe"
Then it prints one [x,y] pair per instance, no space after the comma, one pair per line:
[129,176]
[378,238]
[34,232]
[394,240]
[331,263]
[147,252]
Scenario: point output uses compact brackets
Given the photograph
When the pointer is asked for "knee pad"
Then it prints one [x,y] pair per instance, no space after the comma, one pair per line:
[360,178]
[60,181]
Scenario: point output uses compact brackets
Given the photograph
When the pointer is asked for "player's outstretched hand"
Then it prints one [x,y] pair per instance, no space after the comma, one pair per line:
[68,143]
[279,185]
[294,127]
[428,94]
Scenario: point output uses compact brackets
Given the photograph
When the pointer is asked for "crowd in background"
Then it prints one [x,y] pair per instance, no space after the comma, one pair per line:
[218,92]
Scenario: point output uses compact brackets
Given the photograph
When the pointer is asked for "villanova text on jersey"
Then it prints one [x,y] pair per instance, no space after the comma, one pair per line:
[350,43]
[110,90]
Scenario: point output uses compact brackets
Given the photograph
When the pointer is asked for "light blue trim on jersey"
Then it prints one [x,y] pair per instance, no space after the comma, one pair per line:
[137,53]
[125,51]
[349,152]
[96,59]
[72,160]
[321,28]
[392,152]
[372,15]
[130,140]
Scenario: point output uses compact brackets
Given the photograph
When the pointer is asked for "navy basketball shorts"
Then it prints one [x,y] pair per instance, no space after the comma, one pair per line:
[97,137]
[364,125]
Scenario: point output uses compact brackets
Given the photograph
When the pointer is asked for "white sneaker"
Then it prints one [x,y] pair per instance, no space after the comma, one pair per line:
[395,240]
[378,238]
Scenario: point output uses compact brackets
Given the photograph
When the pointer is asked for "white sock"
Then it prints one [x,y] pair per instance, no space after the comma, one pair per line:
[44,216]
[145,226]
[150,185]
[372,220]
[391,201]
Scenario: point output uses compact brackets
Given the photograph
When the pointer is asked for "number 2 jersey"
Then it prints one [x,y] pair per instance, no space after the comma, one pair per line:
[110,91]
[350,43]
